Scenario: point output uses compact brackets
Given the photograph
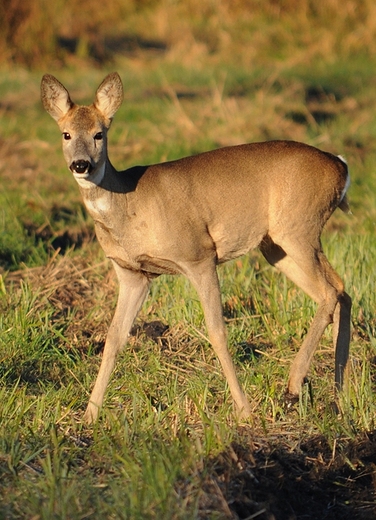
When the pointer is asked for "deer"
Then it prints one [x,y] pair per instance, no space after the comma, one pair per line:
[189,215]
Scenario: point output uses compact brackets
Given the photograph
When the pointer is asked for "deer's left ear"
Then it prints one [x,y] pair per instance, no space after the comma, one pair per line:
[109,95]
[55,97]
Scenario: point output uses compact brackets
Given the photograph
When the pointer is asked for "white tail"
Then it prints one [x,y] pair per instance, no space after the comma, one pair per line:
[187,216]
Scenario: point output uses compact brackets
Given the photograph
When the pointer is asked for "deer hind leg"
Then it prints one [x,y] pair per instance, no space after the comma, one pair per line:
[341,337]
[309,268]
[205,280]
[133,288]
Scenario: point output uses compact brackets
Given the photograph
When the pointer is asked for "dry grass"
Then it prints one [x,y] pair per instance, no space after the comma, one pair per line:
[245,32]
[72,283]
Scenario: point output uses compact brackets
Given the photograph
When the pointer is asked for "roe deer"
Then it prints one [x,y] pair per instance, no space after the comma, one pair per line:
[187,216]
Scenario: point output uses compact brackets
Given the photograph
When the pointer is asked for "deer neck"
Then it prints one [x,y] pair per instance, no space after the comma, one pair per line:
[114,200]
[98,192]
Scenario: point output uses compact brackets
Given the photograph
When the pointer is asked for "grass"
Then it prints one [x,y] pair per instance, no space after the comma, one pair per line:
[167,445]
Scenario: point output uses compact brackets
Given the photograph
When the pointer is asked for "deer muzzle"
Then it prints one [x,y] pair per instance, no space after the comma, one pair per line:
[81,166]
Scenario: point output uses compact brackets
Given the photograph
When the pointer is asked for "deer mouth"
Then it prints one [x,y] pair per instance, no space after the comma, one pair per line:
[81,167]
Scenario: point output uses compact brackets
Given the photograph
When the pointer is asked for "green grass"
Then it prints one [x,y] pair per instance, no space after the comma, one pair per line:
[167,419]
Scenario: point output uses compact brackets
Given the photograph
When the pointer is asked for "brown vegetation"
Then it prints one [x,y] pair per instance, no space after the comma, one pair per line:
[36,32]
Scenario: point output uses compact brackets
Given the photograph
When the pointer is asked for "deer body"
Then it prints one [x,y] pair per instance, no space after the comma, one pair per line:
[187,216]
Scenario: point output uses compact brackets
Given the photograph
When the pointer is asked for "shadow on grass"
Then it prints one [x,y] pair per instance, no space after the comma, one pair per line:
[311,482]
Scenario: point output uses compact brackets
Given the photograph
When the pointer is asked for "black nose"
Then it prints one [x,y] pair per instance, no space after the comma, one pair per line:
[81,166]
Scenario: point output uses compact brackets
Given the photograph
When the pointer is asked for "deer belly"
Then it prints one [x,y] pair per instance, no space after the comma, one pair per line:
[231,245]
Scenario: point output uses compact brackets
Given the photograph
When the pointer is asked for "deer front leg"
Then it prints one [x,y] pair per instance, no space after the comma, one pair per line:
[205,280]
[133,288]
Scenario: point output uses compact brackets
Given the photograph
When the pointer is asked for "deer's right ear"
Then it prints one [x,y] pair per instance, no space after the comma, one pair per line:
[55,97]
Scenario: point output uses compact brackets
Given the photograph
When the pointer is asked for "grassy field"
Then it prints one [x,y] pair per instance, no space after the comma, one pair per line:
[167,445]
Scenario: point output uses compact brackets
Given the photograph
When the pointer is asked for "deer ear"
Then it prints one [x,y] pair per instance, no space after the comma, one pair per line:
[55,97]
[109,95]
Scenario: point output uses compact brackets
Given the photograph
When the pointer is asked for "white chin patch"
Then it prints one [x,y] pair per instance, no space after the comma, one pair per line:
[87,180]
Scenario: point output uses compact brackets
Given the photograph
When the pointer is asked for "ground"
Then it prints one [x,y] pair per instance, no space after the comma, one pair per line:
[307,482]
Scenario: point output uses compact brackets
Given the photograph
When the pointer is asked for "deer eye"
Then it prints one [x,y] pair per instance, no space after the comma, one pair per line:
[98,136]
[66,136]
